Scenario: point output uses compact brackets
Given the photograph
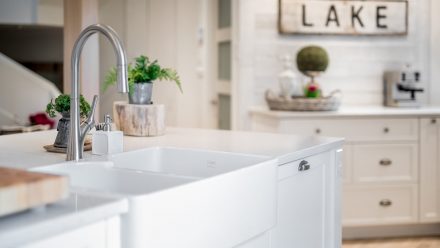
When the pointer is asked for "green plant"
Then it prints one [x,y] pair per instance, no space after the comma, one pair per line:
[312,59]
[144,71]
[62,105]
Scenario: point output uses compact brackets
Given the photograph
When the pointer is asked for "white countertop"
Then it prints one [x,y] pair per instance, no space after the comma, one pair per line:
[76,211]
[350,112]
[26,151]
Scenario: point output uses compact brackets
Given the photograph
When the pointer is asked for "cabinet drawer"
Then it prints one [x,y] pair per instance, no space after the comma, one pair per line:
[385,163]
[355,129]
[375,205]
[303,166]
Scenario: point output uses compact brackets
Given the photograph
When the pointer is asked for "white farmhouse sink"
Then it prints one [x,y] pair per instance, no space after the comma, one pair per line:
[184,162]
[103,177]
[184,198]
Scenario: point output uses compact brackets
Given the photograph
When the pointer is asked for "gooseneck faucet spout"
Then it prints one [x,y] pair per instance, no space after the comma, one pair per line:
[77,134]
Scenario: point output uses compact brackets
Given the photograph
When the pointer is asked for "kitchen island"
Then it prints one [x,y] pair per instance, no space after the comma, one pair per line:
[304,187]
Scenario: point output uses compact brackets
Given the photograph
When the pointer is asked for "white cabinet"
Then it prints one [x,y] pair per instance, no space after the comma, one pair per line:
[429,170]
[102,234]
[391,169]
[307,211]
[380,204]
[386,162]
[354,129]
[301,203]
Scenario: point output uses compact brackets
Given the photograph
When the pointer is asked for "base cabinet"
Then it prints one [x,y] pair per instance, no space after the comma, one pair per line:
[391,171]
[429,170]
[102,234]
[373,205]
[301,204]
[307,210]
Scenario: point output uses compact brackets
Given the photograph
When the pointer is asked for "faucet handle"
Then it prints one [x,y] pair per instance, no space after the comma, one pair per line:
[91,118]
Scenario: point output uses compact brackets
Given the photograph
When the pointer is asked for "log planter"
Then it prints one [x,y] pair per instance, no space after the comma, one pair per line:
[138,119]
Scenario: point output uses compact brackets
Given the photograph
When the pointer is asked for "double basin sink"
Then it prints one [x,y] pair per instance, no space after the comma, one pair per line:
[182,197]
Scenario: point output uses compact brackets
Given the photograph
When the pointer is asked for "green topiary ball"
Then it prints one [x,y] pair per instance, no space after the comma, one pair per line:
[312,58]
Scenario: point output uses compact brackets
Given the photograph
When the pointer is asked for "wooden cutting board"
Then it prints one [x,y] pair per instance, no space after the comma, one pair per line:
[21,189]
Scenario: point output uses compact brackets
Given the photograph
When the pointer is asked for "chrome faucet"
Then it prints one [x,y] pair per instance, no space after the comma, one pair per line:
[78,133]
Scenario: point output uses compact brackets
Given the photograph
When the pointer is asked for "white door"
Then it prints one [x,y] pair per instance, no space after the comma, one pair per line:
[220,53]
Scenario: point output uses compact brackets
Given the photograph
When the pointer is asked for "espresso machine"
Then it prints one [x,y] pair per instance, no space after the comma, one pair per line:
[401,88]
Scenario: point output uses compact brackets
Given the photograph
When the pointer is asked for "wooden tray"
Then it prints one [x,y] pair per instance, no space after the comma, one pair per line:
[52,148]
[21,189]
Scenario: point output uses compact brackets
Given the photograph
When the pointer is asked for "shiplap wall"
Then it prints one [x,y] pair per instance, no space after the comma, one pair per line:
[165,30]
[356,65]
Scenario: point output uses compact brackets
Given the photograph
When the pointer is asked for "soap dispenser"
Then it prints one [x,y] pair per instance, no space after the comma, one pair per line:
[104,140]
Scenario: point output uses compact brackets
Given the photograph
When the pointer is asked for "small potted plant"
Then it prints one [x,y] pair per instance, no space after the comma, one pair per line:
[61,104]
[312,61]
[141,76]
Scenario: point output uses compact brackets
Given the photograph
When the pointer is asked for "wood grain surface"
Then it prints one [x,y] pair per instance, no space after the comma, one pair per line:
[21,190]
[139,120]
[423,242]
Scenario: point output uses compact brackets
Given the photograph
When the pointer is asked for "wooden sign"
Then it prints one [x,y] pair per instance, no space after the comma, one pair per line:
[343,17]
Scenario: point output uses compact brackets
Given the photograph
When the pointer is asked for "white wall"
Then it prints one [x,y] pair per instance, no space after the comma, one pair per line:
[111,12]
[18,11]
[165,30]
[50,12]
[43,12]
[356,65]
[435,53]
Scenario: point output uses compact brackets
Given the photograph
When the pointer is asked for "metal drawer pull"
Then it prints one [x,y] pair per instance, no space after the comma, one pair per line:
[433,121]
[385,203]
[385,162]
[318,131]
[386,130]
[303,166]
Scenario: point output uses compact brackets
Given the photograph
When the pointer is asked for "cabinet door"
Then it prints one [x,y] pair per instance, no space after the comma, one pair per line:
[429,170]
[93,235]
[102,234]
[302,203]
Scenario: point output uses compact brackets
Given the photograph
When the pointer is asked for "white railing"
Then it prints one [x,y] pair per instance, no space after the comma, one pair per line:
[22,92]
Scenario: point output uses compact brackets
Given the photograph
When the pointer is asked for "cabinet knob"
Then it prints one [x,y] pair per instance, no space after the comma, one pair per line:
[385,162]
[303,166]
[433,121]
[317,131]
[386,130]
[385,203]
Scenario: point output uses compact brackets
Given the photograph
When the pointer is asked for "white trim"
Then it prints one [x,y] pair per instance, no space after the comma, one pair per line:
[223,34]
[224,87]
[32,76]
[434,55]
[21,78]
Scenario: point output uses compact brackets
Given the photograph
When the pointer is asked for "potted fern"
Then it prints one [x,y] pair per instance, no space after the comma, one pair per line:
[141,76]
